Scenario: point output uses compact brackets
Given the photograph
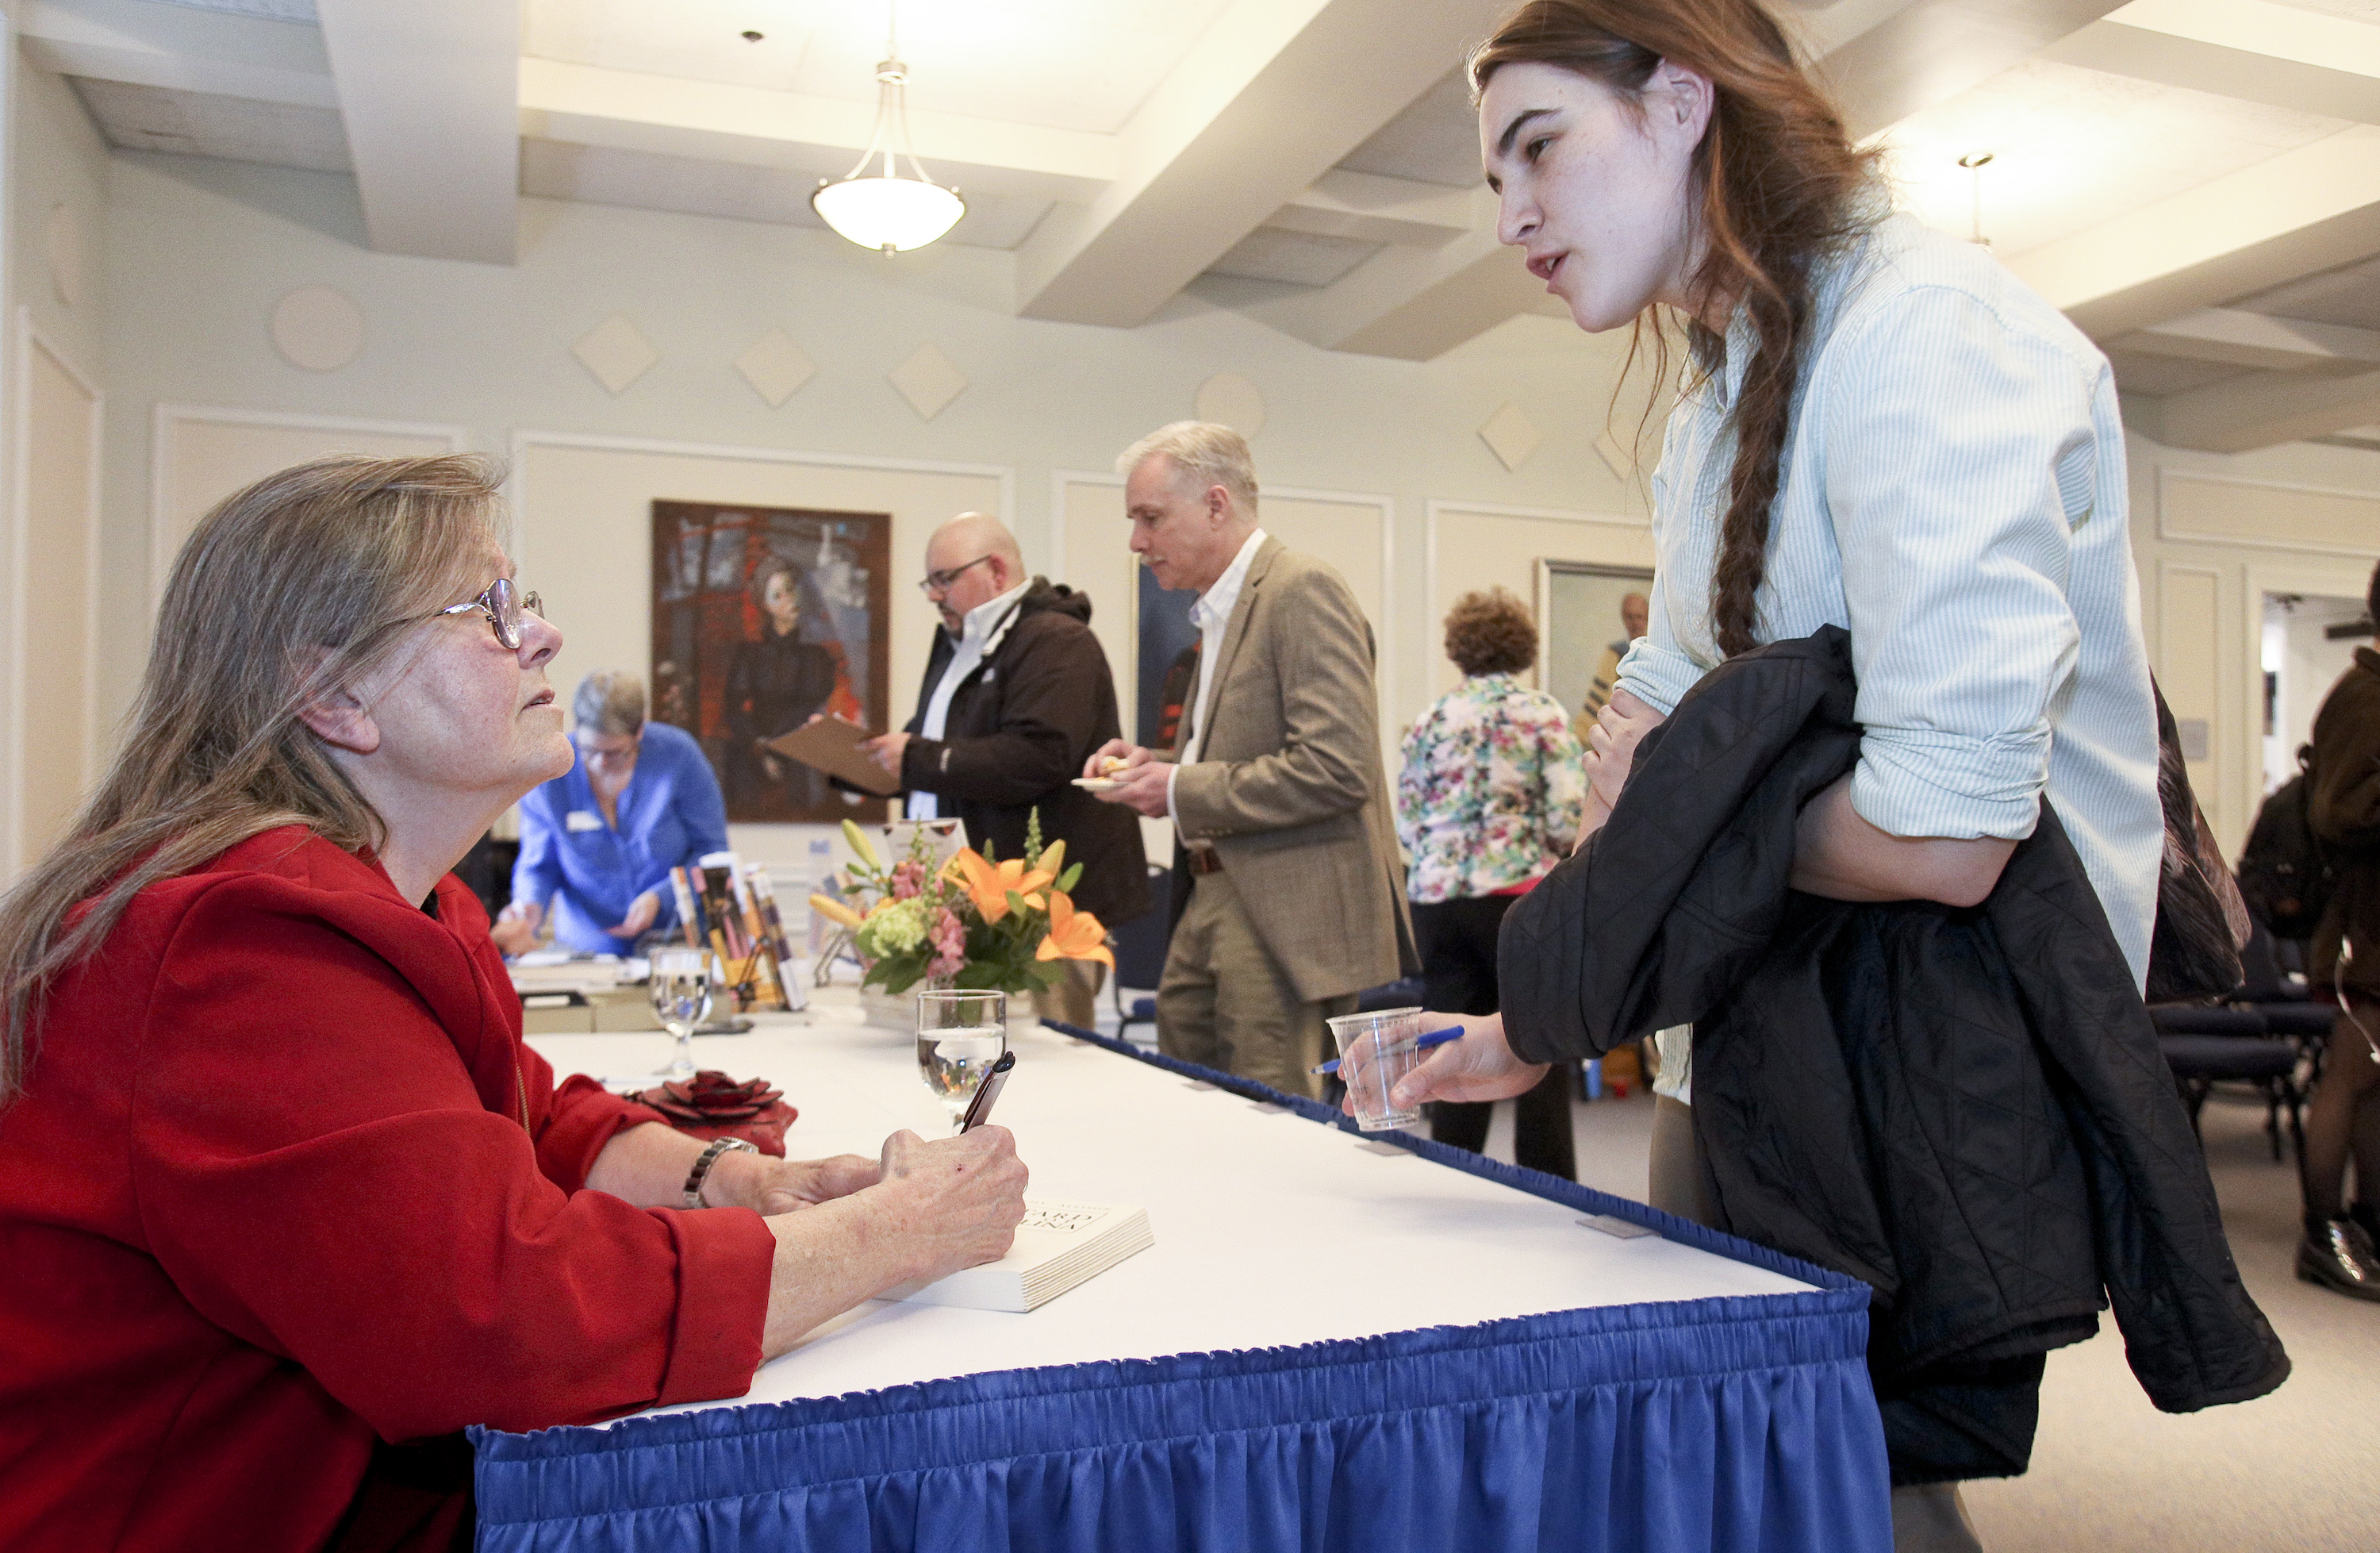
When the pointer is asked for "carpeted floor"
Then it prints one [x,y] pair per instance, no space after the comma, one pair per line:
[2297,1472]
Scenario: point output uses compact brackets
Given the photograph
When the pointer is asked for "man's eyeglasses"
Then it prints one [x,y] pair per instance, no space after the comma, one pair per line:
[940,582]
[503,604]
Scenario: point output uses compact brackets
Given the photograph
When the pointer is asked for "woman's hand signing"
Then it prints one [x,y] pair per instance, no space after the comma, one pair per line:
[955,1202]
[774,1186]
[1142,780]
[1611,752]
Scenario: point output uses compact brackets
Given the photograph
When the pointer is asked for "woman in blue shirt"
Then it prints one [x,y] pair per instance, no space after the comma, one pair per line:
[598,842]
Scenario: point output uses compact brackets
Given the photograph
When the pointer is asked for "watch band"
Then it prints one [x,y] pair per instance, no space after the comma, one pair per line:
[710,1157]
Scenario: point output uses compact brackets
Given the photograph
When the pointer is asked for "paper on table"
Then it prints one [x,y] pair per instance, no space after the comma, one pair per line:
[1058,1246]
[831,745]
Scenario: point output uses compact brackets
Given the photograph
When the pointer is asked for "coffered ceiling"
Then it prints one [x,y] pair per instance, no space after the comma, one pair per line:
[2196,182]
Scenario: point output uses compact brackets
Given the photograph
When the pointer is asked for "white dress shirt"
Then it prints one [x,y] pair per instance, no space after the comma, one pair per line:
[1954,495]
[979,629]
[1210,615]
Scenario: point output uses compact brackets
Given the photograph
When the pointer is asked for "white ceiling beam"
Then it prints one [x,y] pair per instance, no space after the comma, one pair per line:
[1415,304]
[1272,95]
[2228,69]
[1888,59]
[431,93]
[1933,50]
[2251,339]
[181,49]
[1372,208]
[712,121]
[2243,414]
[2308,208]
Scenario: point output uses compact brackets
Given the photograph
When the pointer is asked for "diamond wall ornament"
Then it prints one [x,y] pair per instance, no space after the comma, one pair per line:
[1618,460]
[928,380]
[1232,400]
[617,352]
[1510,435]
[775,367]
[318,327]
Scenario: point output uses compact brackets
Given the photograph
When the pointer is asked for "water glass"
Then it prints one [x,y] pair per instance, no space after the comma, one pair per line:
[960,1035]
[1375,1051]
[681,993]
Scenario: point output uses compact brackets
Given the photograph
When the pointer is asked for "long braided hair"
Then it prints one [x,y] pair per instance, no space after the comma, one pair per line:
[1782,186]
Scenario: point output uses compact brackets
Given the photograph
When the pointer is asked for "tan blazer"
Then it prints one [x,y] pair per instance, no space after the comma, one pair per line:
[1289,786]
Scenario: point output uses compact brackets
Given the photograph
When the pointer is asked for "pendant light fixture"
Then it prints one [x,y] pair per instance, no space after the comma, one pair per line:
[885,209]
[1975,162]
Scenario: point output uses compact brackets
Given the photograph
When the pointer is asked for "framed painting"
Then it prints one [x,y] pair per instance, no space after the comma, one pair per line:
[763,616]
[1586,615]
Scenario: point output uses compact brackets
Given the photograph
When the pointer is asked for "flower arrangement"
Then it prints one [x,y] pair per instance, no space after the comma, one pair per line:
[977,922]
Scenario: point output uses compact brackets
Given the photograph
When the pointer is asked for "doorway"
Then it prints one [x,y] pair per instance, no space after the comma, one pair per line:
[2309,639]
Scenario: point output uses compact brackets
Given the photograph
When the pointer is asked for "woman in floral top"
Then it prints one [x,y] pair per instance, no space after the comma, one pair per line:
[1492,793]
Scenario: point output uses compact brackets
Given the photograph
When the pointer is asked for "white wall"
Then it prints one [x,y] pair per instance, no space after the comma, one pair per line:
[53,184]
[196,253]
[2211,535]
[200,251]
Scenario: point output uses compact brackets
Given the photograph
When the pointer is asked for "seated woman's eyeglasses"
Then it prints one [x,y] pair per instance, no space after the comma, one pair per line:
[502,603]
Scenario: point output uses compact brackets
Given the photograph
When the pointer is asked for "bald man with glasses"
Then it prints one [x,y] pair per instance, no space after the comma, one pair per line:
[1016,695]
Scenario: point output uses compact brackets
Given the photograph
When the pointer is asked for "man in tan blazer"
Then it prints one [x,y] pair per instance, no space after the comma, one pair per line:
[1276,790]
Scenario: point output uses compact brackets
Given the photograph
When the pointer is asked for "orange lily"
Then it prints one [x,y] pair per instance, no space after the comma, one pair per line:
[987,885]
[1074,935]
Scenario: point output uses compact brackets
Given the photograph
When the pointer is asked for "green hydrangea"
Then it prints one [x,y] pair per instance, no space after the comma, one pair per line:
[895,930]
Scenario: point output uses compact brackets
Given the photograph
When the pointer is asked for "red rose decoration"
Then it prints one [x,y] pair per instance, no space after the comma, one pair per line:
[712,1105]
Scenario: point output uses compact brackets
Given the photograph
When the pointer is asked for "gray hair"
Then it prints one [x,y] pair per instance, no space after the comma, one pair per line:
[610,702]
[311,579]
[1204,452]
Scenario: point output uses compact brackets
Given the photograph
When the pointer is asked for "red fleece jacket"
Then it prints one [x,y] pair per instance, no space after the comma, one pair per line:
[285,1178]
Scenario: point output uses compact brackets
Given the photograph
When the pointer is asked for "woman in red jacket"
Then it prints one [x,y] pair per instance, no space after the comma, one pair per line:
[282,1192]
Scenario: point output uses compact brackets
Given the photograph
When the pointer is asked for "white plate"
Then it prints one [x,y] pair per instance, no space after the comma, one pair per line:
[1097,784]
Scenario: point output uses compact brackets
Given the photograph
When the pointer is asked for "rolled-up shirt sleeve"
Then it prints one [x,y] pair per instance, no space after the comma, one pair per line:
[1657,670]
[1942,468]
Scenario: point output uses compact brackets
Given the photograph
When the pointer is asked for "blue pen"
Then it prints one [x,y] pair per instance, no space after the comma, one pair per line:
[1435,1038]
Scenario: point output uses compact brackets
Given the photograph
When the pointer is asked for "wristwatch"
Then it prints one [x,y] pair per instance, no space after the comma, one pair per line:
[710,1157]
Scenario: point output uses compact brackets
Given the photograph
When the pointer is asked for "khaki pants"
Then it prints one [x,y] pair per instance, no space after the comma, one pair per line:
[1225,1002]
[1926,1518]
[1075,1000]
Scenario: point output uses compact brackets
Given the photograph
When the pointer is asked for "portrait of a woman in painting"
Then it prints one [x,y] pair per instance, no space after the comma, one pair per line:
[774,683]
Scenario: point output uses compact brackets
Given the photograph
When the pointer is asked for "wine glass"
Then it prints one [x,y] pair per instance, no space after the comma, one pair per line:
[960,1035]
[681,993]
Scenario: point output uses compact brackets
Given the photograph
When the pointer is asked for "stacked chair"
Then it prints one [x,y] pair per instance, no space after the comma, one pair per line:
[2270,1036]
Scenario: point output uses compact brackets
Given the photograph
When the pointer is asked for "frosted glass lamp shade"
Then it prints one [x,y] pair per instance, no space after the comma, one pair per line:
[890,215]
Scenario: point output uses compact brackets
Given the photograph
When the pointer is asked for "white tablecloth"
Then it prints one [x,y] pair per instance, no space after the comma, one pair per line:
[1269,1228]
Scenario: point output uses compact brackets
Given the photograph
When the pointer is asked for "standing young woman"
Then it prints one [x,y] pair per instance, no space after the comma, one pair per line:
[1881,429]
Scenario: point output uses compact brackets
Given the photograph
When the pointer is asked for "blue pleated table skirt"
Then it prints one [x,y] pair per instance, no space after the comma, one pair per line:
[1736,1423]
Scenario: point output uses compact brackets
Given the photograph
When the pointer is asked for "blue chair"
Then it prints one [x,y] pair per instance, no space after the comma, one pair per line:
[1140,945]
[2206,1045]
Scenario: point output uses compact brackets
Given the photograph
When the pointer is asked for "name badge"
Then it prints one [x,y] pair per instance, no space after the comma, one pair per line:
[582,819]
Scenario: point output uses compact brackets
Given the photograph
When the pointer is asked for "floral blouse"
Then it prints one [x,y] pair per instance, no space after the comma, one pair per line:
[1493,790]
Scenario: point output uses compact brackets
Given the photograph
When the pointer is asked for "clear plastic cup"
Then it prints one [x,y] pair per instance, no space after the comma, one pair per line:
[1375,1051]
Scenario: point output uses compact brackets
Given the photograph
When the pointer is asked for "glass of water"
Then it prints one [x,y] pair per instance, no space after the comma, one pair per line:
[681,991]
[960,1035]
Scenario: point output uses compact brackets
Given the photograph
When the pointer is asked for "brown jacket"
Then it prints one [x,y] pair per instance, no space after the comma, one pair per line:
[2344,809]
[1289,784]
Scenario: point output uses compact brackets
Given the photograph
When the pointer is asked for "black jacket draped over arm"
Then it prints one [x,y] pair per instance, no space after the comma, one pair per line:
[1965,1108]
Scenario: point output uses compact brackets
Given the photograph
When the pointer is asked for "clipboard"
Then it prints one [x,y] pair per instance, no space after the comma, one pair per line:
[831,745]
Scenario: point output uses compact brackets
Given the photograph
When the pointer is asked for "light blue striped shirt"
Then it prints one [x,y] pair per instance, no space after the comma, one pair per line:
[1953,494]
